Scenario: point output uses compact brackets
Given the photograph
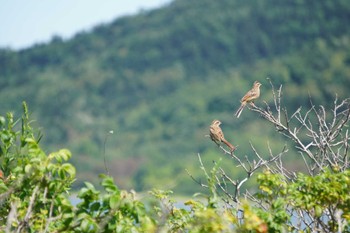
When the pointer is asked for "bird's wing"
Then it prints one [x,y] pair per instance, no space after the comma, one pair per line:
[213,135]
[248,96]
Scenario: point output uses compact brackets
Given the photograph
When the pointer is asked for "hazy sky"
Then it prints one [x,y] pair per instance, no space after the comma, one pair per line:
[25,22]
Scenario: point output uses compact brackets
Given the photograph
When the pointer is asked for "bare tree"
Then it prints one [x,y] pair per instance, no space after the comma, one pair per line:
[319,135]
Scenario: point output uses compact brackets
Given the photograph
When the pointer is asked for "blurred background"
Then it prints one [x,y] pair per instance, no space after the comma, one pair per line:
[156,73]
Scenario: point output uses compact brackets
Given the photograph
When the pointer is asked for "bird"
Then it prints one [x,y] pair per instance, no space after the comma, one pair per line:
[217,135]
[249,97]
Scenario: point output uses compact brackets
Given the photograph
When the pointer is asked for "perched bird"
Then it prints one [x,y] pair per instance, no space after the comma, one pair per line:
[251,95]
[217,135]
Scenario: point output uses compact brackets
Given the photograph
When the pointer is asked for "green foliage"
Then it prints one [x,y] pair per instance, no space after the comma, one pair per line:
[194,217]
[316,196]
[155,77]
[35,197]
[113,211]
[158,79]
[35,190]
[34,185]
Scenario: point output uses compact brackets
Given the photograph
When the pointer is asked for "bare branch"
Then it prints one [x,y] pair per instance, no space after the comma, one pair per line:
[11,217]
[321,137]
[29,210]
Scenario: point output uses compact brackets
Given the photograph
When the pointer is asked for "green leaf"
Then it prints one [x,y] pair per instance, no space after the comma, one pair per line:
[65,154]
[28,168]
[95,206]
[109,185]
[85,225]
[69,168]
[318,211]
[3,187]
[2,121]
[114,201]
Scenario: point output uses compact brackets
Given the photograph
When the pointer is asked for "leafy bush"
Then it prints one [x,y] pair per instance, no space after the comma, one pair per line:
[36,193]
[35,189]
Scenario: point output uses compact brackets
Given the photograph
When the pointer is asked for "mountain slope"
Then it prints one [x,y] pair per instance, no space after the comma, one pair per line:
[157,79]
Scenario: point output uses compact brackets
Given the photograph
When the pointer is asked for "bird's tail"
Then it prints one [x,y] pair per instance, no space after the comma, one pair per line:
[232,147]
[239,111]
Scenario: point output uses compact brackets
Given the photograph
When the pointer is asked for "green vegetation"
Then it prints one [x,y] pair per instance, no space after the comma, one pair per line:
[157,79]
[36,189]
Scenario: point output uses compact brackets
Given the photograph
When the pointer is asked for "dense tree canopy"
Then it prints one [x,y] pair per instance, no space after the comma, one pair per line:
[157,79]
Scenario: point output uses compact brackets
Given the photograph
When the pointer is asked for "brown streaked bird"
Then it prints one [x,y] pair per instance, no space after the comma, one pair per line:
[217,135]
[251,95]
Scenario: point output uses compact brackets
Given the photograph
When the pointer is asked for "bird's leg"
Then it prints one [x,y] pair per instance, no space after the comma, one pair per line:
[252,104]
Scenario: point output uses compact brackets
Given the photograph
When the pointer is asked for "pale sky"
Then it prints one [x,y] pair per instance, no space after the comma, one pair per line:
[26,22]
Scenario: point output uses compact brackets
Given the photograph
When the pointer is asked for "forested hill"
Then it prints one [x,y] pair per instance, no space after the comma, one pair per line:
[158,78]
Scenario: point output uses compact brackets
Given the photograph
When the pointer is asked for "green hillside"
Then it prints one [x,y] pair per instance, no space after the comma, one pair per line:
[157,79]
